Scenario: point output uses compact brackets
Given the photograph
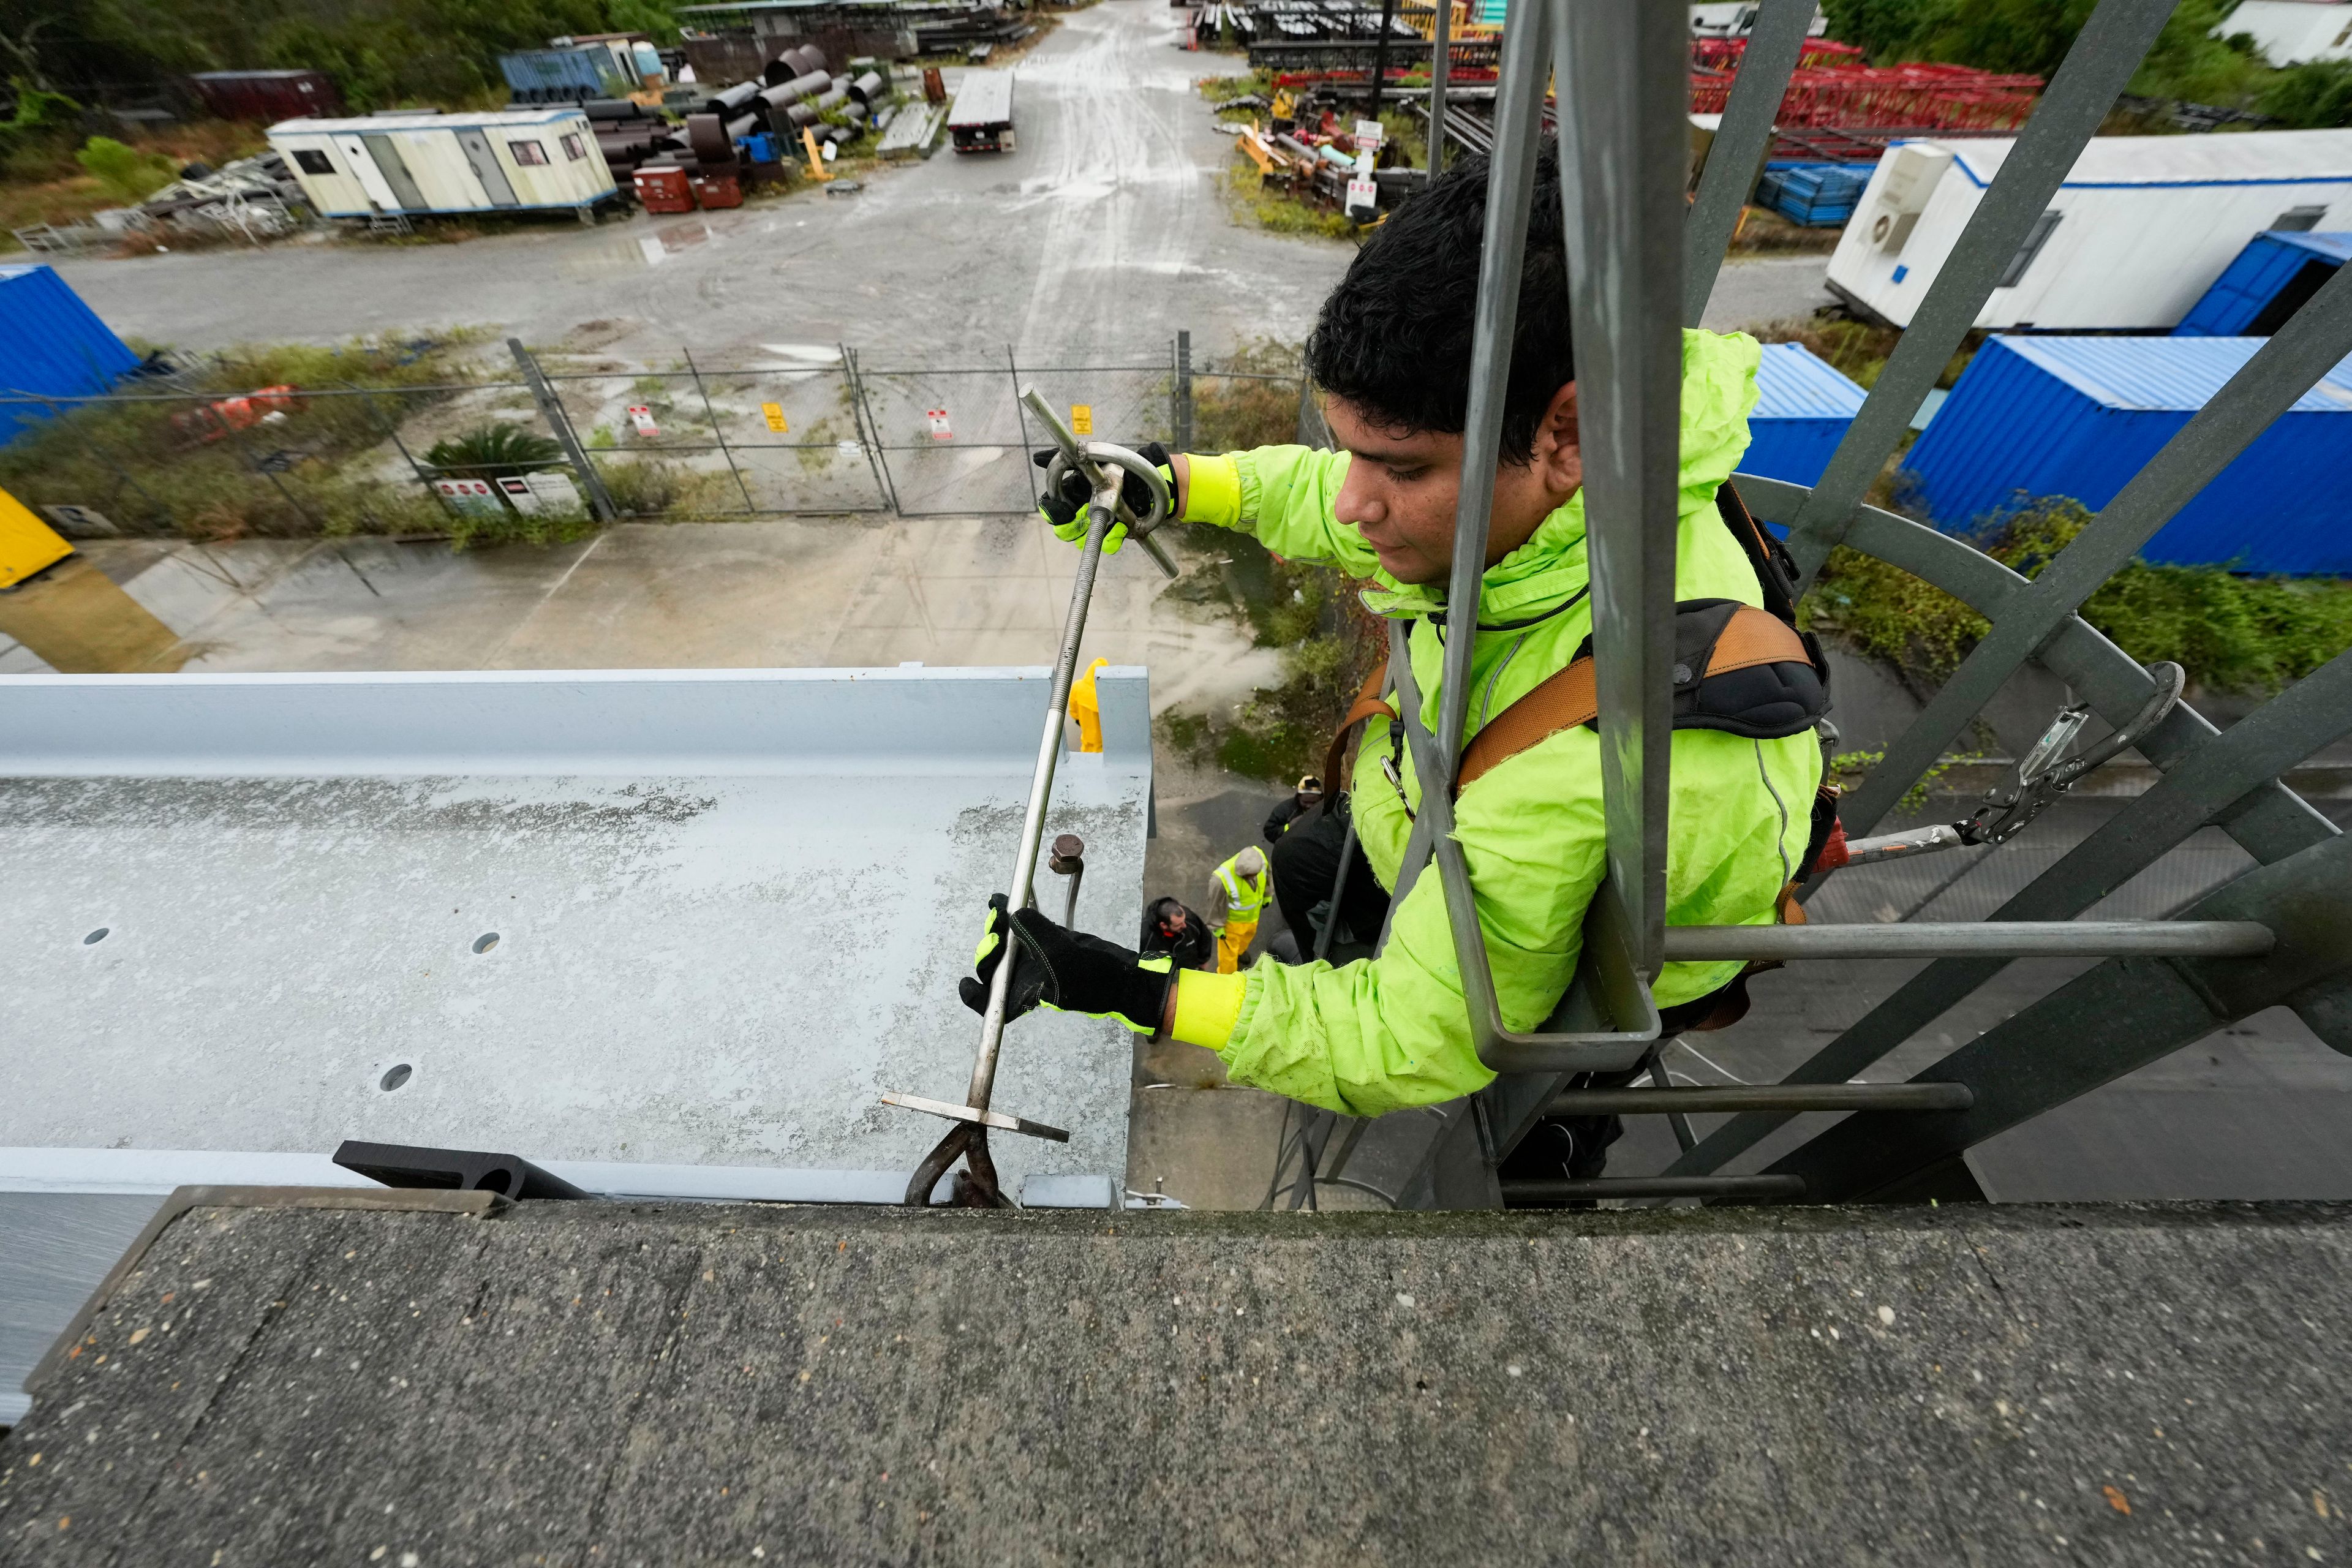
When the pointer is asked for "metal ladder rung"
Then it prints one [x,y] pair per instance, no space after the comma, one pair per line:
[1573,1188]
[1737,1098]
[1974,939]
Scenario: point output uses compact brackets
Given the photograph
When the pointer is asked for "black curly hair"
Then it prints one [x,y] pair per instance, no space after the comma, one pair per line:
[1394,338]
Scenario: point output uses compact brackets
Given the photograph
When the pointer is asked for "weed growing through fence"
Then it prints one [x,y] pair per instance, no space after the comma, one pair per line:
[1234,410]
[291,465]
[2230,632]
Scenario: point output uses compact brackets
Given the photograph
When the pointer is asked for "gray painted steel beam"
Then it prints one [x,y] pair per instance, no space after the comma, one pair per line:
[2105,54]
[1622,68]
[1511,192]
[1987,939]
[2206,777]
[1588,1189]
[2267,386]
[1774,42]
[1738,1096]
[2120,1016]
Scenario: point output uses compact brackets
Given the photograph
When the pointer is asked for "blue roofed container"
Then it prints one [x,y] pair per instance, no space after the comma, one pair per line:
[562,76]
[51,345]
[2269,281]
[1803,407]
[2080,415]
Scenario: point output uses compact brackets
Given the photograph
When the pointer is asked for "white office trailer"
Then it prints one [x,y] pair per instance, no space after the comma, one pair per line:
[1736,19]
[526,160]
[2289,32]
[2139,229]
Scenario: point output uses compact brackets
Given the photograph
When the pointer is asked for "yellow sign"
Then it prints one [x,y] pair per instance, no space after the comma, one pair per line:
[776,417]
[1082,418]
[27,543]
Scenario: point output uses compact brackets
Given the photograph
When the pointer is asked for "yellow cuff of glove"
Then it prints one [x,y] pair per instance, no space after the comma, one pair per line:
[1207,1005]
[1212,491]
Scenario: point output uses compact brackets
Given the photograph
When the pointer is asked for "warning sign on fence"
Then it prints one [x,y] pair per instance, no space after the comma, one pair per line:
[518,493]
[1082,418]
[473,497]
[556,494]
[643,418]
[774,415]
[940,431]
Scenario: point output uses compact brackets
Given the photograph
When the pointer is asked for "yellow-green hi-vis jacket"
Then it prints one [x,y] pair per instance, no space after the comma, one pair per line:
[1392,1031]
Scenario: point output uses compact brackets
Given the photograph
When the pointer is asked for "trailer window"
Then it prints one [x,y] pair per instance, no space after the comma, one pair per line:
[527,152]
[2043,227]
[310,161]
[574,148]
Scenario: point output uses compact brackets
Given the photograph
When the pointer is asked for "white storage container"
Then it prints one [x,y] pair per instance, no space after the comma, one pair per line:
[2138,231]
[508,161]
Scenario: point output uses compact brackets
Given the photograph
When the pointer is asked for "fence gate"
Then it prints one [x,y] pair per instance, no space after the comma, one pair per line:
[957,442]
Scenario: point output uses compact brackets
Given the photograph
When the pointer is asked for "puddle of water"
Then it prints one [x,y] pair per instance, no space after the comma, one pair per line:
[633,253]
[80,623]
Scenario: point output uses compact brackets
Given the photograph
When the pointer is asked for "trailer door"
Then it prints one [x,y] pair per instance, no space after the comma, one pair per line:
[486,168]
[394,169]
[356,155]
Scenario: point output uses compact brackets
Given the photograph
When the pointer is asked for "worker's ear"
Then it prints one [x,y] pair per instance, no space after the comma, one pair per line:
[1558,459]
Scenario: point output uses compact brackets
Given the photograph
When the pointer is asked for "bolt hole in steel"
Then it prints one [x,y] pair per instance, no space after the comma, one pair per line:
[487,941]
[394,1077]
[94,938]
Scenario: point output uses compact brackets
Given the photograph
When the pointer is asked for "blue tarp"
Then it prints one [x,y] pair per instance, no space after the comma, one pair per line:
[51,345]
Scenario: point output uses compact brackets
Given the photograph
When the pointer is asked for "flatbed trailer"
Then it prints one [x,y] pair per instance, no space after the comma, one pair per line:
[982,119]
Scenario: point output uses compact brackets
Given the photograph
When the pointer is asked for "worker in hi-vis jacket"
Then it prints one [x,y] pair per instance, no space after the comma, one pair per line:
[1390,353]
[1239,891]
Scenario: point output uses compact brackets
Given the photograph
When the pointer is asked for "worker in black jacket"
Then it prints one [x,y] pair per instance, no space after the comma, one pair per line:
[1304,799]
[1169,928]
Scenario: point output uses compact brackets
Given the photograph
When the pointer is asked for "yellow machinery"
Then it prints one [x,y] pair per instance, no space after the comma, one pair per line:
[27,543]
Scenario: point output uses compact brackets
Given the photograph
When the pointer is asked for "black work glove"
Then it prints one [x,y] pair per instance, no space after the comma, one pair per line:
[1069,972]
[1068,511]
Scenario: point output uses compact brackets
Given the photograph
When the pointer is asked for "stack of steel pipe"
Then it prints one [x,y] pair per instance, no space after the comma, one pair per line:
[868,87]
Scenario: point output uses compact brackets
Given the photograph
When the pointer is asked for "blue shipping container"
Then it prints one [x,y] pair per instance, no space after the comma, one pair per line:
[1803,407]
[558,76]
[52,346]
[2267,283]
[1819,195]
[2079,416]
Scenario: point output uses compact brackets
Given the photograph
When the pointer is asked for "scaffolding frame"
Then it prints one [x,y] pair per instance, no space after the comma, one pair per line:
[1640,268]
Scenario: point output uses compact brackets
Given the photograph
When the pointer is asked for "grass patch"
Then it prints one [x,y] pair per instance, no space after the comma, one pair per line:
[43,179]
[1253,202]
[1233,414]
[2230,632]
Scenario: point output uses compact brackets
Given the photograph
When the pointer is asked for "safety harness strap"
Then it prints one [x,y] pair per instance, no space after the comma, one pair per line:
[1752,637]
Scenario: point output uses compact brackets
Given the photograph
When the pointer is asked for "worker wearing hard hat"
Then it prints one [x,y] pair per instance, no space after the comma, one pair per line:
[1239,891]
[1391,354]
[1302,799]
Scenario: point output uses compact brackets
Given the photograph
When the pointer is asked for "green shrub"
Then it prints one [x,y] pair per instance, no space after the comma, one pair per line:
[492,451]
[2230,632]
[125,172]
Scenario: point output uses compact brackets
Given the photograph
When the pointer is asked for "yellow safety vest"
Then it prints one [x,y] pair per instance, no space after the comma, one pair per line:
[1243,897]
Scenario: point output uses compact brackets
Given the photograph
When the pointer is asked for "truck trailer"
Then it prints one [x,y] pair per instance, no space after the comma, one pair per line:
[2140,228]
[981,118]
[534,159]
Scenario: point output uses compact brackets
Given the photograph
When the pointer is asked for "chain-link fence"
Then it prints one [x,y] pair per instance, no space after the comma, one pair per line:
[407,443]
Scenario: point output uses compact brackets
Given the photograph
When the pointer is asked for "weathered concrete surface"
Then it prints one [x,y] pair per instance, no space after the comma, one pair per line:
[618,1384]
